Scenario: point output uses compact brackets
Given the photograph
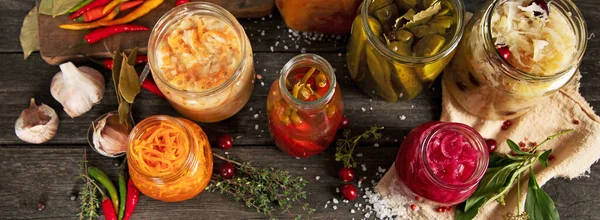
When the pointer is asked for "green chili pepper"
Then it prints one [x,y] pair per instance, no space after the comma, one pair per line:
[122,188]
[80,5]
[101,177]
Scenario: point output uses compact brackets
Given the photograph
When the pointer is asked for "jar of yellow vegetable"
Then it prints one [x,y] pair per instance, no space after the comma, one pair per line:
[399,47]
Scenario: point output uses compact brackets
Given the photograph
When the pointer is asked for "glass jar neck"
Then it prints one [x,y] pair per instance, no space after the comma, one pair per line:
[565,8]
[474,139]
[302,61]
[167,21]
[140,129]
[458,8]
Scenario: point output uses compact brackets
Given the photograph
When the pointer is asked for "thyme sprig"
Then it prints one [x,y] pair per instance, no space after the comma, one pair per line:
[263,189]
[88,208]
[345,147]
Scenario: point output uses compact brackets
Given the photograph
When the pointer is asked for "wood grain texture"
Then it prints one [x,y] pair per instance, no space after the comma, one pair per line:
[58,45]
[31,175]
[47,172]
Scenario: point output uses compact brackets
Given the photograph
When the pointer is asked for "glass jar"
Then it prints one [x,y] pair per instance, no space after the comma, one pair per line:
[305,106]
[442,162]
[326,16]
[201,60]
[390,62]
[488,86]
[169,168]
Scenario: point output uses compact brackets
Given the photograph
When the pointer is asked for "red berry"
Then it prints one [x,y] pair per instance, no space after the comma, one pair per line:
[551,157]
[522,144]
[507,123]
[346,174]
[227,170]
[349,192]
[504,127]
[440,209]
[448,208]
[417,198]
[504,52]
[491,143]
[343,123]
[225,141]
[413,207]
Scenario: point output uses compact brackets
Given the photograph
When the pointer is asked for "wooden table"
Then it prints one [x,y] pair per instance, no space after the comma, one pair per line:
[33,173]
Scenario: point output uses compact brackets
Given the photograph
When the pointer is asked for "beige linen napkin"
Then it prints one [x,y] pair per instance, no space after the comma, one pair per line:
[574,153]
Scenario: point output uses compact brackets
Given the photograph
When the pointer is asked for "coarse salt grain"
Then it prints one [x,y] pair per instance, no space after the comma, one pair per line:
[317,178]
[364,167]
[376,145]
[352,211]
[272,49]
[255,115]
[255,127]
[363,109]
[335,201]
[334,207]
[359,154]
[402,117]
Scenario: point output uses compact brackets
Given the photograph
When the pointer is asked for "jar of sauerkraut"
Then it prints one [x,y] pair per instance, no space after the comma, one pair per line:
[201,59]
[514,55]
[169,158]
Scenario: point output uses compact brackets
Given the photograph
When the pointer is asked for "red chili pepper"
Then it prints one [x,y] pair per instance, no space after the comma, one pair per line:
[181,2]
[133,195]
[141,59]
[96,3]
[101,33]
[96,13]
[108,209]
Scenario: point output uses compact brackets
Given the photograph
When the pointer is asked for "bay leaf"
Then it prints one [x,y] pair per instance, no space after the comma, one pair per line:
[129,83]
[116,70]
[29,37]
[56,7]
[124,111]
[132,56]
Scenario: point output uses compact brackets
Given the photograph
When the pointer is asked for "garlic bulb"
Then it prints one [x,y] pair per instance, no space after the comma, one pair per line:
[77,89]
[36,124]
[110,137]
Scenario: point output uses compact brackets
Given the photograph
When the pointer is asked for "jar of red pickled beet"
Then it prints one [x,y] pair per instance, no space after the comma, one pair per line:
[442,162]
[304,107]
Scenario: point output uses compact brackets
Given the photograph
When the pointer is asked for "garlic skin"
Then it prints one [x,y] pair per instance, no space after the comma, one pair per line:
[36,124]
[77,89]
[110,138]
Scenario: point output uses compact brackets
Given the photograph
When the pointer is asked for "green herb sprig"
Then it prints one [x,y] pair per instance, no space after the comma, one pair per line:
[263,189]
[502,173]
[345,147]
[88,208]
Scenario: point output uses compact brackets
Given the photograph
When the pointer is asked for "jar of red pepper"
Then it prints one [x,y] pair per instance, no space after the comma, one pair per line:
[442,162]
[305,106]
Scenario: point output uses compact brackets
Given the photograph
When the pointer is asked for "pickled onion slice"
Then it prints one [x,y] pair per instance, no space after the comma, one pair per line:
[451,157]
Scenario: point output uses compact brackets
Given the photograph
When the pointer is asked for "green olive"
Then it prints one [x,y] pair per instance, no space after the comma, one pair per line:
[404,36]
[401,48]
[387,16]
[422,30]
[441,23]
[406,4]
[429,45]
[378,4]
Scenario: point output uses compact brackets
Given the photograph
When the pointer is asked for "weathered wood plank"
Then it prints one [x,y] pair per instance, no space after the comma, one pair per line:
[49,175]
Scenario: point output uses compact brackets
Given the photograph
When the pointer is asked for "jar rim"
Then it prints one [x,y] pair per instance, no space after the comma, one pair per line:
[149,122]
[576,22]
[385,51]
[203,8]
[475,140]
[313,60]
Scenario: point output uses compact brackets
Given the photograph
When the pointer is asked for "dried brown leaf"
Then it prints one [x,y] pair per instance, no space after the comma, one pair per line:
[29,37]
[129,83]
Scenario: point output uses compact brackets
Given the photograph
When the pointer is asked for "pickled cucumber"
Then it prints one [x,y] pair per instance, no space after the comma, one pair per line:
[429,45]
[380,71]
[405,82]
[401,48]
[441,23]
[356,46]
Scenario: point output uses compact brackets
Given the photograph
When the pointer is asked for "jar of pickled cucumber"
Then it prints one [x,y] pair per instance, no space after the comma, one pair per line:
[399,47]
[514,55]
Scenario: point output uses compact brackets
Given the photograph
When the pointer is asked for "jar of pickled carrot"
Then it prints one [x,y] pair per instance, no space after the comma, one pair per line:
[169,158]
[201,59]
[305,106]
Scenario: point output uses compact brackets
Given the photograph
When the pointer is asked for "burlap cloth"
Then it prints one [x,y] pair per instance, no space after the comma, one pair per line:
[574,153]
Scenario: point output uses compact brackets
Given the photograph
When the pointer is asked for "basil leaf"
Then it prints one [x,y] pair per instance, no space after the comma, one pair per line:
[497,160]
[515,148]
[491,183]
[539,205]
[544,157]
[462,214]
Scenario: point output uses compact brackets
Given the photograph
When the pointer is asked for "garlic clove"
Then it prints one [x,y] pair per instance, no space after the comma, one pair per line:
[77,89]
[36,124]
[110,137]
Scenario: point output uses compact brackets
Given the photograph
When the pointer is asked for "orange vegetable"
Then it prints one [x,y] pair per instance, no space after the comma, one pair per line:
[111,5]
[148,6]
[92,25]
